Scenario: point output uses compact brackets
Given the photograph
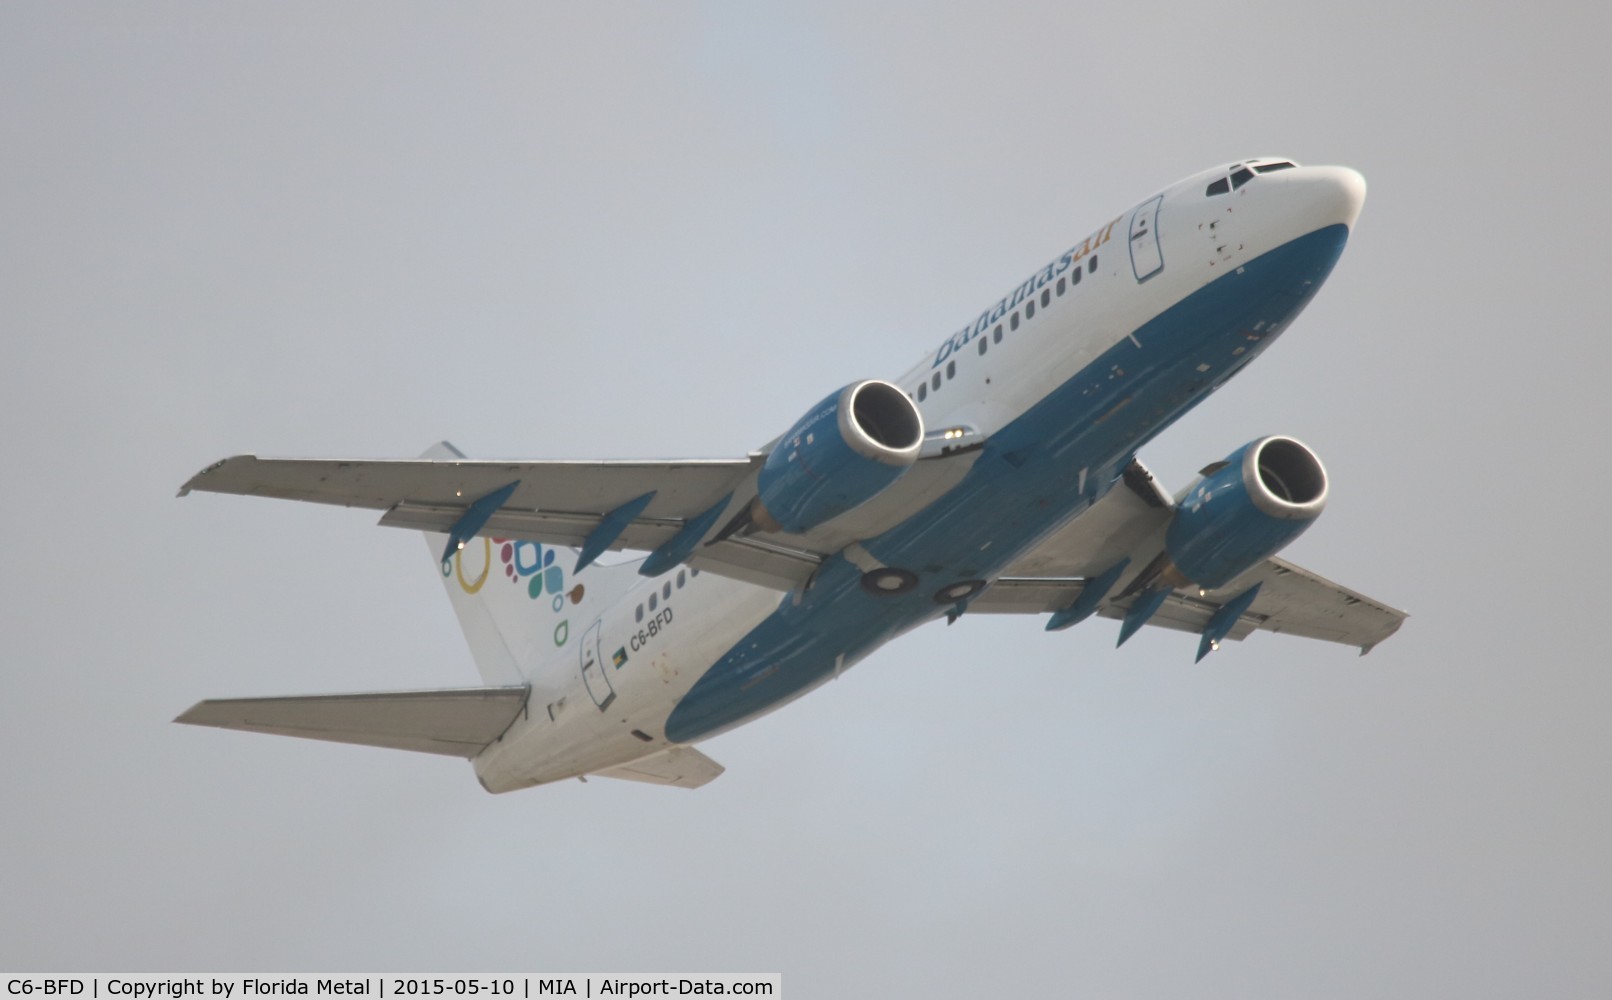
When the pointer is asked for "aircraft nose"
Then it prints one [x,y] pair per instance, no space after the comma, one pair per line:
[1332,195]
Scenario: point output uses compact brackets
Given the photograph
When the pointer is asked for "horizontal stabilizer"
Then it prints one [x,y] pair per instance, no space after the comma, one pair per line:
[684,767]
[458,722]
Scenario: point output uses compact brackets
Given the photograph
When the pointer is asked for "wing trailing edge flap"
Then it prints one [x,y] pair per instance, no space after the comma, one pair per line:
[457,722]
[1128,521]
[682,767]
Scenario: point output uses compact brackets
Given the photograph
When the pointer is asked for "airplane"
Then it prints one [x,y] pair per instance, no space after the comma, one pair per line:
[999,475]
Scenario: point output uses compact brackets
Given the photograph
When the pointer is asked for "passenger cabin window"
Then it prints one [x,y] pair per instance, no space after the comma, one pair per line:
[1074,276]
[1060,286]
[1029,309]
[996,334]
[923,391]
[680,579]
[653,602]
[1046,297]
[951,368]
[934,383]
[1091,265]
[639,616]
[1013,322]
[983,342]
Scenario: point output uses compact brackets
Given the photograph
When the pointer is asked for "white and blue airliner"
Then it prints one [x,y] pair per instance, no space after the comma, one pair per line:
[997,476]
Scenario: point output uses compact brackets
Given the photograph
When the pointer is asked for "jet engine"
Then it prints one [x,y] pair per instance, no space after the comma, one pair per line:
[846,450]
[1244,510]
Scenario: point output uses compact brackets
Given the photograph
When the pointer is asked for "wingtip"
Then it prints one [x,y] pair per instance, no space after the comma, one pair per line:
[196,482]
[1385,636]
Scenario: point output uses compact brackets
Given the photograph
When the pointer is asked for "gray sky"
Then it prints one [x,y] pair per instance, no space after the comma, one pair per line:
[660,230]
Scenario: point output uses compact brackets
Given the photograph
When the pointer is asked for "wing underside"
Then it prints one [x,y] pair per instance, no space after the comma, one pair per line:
[564,503]
[1291,600]
[1129,523]
[556,503]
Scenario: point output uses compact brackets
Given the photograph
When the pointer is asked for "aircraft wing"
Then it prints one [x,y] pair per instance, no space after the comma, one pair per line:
[554,502]
[1129,523]
[458,722]
[565,502]
[1291,599]
[682,488]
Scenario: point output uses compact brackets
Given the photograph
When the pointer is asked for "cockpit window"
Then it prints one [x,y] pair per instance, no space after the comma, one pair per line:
[1242,173]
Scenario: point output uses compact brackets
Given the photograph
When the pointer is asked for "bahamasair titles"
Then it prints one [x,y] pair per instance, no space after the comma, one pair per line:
[619,612]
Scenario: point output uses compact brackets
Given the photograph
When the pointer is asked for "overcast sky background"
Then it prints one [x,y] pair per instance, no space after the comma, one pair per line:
[657,230]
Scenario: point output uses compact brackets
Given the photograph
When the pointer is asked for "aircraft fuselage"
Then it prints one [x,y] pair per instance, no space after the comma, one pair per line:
[1063,378]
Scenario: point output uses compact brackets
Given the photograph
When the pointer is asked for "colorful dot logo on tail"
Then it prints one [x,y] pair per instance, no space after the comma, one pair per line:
[524,563]
[534,565]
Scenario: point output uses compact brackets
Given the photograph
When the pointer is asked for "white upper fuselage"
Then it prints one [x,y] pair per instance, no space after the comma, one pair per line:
[1200,238]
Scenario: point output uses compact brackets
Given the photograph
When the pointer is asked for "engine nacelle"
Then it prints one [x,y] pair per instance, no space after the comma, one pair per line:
[1245,510]
[844,452]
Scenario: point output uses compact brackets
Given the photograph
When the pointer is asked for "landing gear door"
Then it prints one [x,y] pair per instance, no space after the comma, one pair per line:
[1146,257]
[593,674]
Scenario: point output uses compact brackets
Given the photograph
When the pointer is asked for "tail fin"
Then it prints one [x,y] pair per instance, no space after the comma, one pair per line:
[517,601]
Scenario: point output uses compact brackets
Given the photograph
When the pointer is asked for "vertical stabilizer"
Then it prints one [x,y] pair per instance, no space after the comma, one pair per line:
[522,610]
